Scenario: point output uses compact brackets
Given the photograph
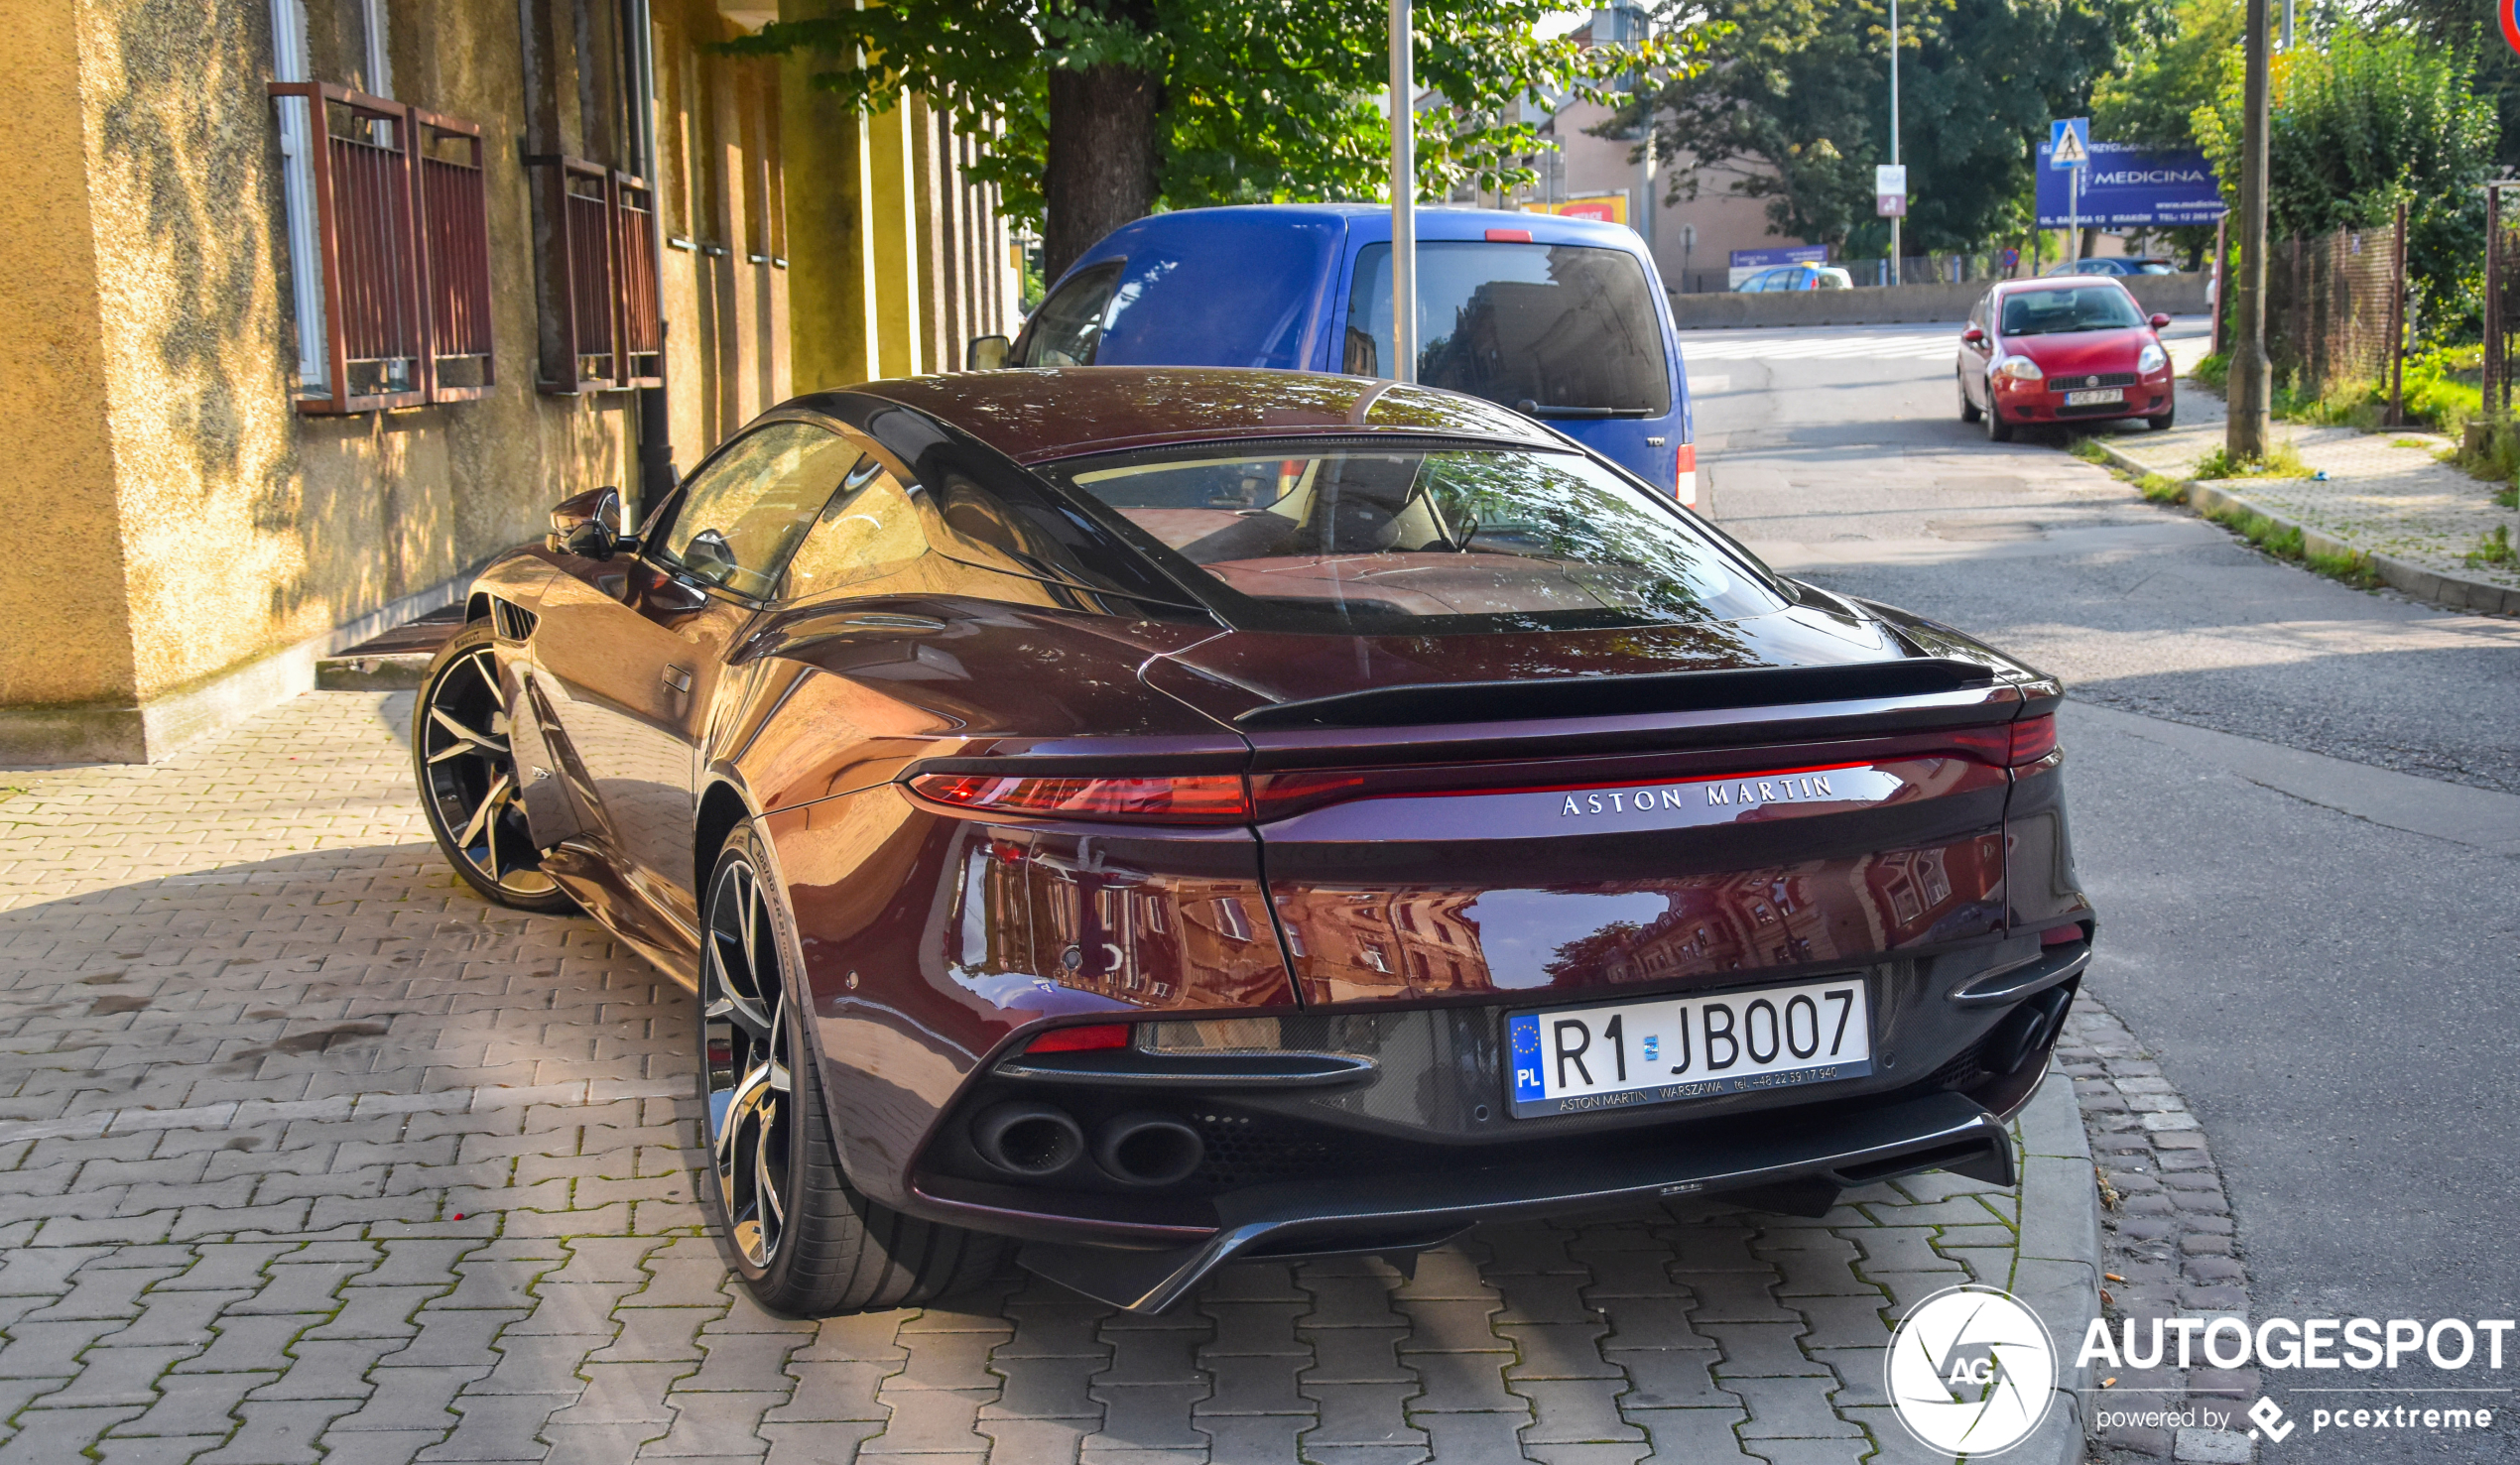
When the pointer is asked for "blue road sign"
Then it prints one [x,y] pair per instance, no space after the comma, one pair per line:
[2069,142]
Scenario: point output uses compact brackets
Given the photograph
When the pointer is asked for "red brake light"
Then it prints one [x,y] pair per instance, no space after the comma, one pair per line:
[2013,745]
[2059,935]
[2033,738]
[1191,799]
[1080,1040]
[1509,236]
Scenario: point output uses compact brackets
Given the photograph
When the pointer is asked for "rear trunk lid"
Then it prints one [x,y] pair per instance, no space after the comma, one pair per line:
[1666,808]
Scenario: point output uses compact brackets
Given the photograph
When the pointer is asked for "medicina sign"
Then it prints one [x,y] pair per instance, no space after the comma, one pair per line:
[2131,187]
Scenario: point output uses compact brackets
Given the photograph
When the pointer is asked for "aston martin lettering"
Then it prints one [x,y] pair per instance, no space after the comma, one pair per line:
[1860,786]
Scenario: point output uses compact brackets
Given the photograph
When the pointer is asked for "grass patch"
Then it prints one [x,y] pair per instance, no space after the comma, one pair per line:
[2161,488]
[2088,449]
[2213,370]
[2285,542]
[2493,549]
[2282,461]
[2509,498]
[2408,442]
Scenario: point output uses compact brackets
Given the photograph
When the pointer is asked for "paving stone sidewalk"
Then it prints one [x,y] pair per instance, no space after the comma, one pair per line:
[306,1152]
[2386,493]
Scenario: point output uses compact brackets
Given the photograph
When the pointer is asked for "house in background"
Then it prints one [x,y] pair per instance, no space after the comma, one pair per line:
[319,304]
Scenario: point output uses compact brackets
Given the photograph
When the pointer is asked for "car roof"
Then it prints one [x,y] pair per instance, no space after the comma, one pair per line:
[2053,281]
[1035,415]
[1364,222]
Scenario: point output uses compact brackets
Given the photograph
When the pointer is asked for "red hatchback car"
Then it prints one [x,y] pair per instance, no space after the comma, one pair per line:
[2076,348]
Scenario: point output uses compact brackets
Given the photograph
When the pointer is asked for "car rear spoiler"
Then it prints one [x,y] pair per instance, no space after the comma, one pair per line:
[1614,696]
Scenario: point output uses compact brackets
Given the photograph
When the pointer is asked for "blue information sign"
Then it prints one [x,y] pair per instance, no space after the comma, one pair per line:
[2132,187]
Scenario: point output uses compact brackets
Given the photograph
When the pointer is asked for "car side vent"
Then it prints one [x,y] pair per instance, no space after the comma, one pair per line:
[1614,696]
[511,622]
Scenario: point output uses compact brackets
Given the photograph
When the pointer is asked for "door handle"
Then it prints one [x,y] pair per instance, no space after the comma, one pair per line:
[678,679]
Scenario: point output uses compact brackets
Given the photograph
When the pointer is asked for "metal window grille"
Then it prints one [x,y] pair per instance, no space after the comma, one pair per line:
[601,277]
[402,245]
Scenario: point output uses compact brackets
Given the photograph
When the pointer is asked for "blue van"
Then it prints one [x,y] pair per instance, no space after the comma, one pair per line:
[1563,319]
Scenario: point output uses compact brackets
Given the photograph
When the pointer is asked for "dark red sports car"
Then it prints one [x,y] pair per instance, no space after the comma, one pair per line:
[2066,349]
[1161,816]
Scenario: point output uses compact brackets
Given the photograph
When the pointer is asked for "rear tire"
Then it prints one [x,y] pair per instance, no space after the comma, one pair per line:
[1997,430]
[1968,409]
[802,1240]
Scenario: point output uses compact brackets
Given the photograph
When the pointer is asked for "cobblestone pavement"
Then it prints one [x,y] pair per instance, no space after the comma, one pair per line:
[2168,1246]
[2386,493]
[308,1153]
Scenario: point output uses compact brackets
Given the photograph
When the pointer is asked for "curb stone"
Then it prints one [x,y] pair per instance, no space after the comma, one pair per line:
[2056,1273]
[2448,592]
[2165,1236]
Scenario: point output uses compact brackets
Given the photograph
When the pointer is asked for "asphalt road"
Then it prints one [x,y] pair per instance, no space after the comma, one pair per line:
[2294,801]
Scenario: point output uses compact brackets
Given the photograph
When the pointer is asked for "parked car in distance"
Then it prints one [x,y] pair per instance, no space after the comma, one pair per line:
[933,733]
[2075,348]
[2112,265]
[1796,277]
[1563,319]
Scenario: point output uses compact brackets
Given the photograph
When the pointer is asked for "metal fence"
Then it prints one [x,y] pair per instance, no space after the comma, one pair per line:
[2336,307]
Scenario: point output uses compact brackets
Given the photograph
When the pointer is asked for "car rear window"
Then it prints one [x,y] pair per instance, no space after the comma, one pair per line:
[1524,325]
[1418,540]
[2051,310]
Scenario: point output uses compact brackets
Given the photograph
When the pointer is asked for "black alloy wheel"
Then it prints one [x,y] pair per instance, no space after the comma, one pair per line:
[468,781]
[803,1239]
[1968,409]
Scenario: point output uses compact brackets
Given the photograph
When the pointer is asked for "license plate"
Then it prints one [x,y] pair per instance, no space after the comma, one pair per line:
[2089,399]
[1620,1055]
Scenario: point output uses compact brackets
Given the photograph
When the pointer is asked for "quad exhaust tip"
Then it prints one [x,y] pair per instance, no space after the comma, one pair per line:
[1149,1149]
[1029,1139]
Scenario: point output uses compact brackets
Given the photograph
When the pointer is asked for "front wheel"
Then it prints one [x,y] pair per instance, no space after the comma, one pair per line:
[1968,409]
[802,1238]
[468,777]
[2162,423]
[1997,430]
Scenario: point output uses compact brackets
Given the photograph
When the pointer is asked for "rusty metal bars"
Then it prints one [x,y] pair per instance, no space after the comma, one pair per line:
[402,238]
[601,276]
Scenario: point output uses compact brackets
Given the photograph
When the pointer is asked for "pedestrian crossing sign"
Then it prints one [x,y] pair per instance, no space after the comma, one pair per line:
[2069,142]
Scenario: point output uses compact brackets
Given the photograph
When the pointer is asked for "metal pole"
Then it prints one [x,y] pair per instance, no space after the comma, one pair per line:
[1896,276]
[1403,200]
[2073,214]
[2494,296]
[2221,284]
[656,418]
[2245,433]
[2397,324]
[2288,25]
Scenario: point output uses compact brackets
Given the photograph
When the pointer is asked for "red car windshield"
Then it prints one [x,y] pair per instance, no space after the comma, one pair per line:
[2054,309]
[1421,542]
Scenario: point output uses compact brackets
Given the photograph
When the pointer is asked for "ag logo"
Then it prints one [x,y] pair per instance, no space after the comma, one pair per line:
[1971,1372]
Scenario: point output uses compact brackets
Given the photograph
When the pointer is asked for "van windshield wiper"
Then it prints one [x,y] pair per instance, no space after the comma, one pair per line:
[1531,408]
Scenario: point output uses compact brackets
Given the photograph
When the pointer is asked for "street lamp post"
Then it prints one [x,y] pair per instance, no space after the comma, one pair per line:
[1895,219]
[1403,200]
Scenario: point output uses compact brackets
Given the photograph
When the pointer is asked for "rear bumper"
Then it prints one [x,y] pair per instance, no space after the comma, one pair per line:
[1361,1213]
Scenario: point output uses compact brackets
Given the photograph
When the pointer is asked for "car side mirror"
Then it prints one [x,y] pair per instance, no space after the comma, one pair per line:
[985,353]
[2160,321]
[1973,335]
[589,526]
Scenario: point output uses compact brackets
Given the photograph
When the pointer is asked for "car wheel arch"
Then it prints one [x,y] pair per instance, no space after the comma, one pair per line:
[721,807]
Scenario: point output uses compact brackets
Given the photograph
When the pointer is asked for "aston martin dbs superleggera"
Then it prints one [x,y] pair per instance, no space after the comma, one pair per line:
[1151,818]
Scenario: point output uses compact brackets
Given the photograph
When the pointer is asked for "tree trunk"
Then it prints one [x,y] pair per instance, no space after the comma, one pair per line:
[1104,158]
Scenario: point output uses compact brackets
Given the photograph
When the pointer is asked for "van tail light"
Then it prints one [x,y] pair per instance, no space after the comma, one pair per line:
[1190,798]
[2013,745]
[1685,474]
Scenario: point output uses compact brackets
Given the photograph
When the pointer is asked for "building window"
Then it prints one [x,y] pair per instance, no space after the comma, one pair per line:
[600,278]
[401,251]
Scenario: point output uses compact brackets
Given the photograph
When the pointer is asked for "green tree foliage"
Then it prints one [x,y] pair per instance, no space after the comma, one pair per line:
[2368,121]
[2472,27]
[1792,105]
[2154,101]
[1255,100]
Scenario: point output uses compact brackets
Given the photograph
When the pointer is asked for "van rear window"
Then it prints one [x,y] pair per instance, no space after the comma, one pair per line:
[1524,325]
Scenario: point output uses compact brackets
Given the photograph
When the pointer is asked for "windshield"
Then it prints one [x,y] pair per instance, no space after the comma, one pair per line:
[1421,542]
[1524,325]
[2069,307]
